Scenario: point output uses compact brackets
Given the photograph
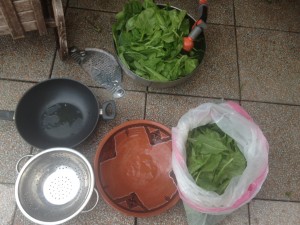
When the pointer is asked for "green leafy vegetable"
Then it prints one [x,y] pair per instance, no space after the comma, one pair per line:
[213,158]
[149,41]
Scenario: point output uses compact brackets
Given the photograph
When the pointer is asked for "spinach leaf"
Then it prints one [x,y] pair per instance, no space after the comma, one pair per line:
[149,41]
[213,158]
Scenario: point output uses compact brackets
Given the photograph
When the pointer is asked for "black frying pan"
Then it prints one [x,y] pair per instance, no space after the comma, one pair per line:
[58,113]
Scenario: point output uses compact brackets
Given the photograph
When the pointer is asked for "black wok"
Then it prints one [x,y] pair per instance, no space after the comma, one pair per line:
[58,113]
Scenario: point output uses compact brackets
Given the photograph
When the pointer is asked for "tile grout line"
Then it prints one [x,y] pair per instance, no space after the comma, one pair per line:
[53,62]
[14,215]
[209,23]
[276,200]
[94,10]
[208,97]
[31,150]
[172,94]
[249,216]
[274,103]
[15,205]
[135,221]
[145,107]
[3,183]
[16,80]
[130,90]
[193,96]
[257,28]
[203,96]
[268,29]
[237,53]
[67,6]
[239,80]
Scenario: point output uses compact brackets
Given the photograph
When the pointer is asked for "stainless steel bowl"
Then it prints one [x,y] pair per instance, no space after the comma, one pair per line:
[199,44]
[54,185]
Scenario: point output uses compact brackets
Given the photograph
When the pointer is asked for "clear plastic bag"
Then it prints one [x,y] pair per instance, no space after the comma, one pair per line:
[234,121]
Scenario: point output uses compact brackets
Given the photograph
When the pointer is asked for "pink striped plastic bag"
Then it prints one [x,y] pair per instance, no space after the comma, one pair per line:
[207,207]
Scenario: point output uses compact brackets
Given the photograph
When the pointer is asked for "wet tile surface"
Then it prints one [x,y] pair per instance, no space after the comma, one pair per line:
[174,216]
[168,109]
[238,217]
[177,216]
[274,14]
[12,146]
[277,213]
[11,93]
[219,11]
[20,219]
[103,214]
[89,29]
[269,65]
[280,124]
[7,203]
[217,75]
[265,70]
[29,58]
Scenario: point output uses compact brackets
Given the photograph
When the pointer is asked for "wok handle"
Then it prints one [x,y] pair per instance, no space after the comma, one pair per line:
[19,161]
[7,115]
[88,210]
[103,112]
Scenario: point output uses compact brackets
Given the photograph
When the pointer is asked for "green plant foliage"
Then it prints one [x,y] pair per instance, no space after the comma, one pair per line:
[149,41]
[213,158]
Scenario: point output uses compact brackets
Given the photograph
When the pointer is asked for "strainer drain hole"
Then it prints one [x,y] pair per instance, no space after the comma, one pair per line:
[61,186]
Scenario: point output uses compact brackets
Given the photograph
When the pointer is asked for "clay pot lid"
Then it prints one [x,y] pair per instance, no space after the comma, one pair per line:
[133,169]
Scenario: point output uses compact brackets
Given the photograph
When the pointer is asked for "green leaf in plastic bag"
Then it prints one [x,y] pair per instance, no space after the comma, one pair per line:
[213,158]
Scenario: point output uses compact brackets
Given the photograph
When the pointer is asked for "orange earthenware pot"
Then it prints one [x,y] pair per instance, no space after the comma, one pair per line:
[133,169]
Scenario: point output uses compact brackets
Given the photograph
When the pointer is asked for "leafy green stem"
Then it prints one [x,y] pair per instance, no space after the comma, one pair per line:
[222,169]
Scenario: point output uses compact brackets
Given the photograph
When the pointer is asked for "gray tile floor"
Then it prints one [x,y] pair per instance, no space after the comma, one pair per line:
[252,57]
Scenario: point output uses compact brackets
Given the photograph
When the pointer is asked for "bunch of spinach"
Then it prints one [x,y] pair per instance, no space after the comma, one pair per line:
[213,158]
[149,41]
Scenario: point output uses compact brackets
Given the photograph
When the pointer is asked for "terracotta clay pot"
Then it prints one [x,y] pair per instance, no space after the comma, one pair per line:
[133,169]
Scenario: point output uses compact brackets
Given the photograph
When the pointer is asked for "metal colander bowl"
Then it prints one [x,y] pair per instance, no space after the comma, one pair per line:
[54,185]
